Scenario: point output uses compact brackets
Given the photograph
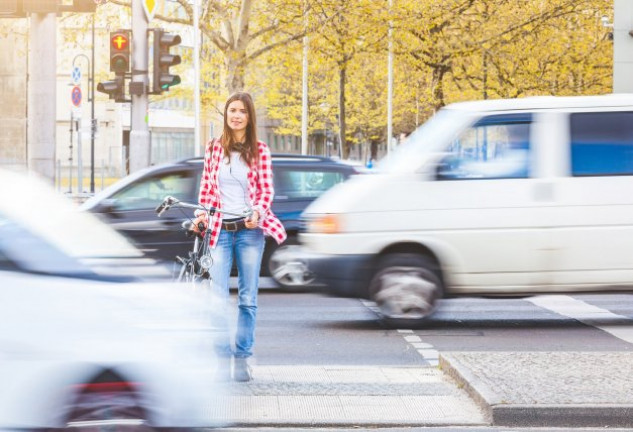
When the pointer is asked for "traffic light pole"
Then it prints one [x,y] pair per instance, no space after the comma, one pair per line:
[93,121]
[140,155]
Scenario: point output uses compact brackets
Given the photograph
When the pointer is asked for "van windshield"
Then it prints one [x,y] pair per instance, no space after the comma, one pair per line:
[428,139]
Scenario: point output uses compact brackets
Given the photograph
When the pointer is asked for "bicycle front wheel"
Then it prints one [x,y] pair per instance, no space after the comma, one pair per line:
[186,273]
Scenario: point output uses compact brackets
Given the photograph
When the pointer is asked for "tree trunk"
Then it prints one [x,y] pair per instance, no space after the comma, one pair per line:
[374,150]
[437,84]
[235,72]
[341,110]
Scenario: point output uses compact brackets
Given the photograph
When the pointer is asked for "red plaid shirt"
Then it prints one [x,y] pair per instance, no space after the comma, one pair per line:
[260,190]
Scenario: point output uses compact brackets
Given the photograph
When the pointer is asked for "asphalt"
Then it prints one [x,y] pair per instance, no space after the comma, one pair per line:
[466,389]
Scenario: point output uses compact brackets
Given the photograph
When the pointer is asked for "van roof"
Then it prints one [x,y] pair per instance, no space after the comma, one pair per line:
[545,102]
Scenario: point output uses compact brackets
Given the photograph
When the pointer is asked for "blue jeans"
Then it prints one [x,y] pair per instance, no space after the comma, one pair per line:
[246,247]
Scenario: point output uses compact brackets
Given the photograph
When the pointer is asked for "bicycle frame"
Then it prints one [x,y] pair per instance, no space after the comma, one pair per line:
[195,267]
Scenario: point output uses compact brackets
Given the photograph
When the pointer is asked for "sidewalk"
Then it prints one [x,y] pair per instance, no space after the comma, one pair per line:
[547,389]
[510,389]
[342,396]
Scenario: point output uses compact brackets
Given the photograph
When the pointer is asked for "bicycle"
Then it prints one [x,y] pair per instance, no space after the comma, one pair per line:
[195,267]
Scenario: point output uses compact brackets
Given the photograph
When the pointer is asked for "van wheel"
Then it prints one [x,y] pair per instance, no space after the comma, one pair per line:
[406,287]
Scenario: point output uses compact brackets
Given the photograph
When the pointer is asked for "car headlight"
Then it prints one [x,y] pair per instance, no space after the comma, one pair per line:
[325,224]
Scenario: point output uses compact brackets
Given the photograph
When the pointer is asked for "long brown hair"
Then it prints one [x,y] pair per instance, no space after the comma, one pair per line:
[248,150]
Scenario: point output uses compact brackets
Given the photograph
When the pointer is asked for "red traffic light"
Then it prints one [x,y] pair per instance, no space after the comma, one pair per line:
[120,51]
[119,41]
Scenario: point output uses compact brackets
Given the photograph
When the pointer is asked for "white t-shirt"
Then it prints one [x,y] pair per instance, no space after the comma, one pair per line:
[233,185]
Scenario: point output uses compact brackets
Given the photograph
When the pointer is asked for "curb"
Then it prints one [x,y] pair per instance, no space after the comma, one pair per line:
[516,415]
[604,416]
[340,424]
[476,389]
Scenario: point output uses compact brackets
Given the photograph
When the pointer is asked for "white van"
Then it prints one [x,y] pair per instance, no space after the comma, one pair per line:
[507,197]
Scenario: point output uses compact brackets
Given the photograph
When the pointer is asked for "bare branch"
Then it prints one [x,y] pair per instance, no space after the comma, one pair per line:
[217,39]
[267,48]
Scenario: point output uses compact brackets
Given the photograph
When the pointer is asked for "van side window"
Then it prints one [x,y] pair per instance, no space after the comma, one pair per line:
[601,143]
[489,150]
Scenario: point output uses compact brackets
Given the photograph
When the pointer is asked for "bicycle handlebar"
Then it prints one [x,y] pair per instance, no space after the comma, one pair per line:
[170,201]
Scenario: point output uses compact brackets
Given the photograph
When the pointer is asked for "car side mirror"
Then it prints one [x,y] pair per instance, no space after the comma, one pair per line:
[446,168]
[108,206]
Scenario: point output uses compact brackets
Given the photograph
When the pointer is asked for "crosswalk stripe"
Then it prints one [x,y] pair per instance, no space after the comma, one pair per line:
[426,350]
[587,314]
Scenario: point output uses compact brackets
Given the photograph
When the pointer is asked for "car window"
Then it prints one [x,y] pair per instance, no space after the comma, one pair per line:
[425,141]
[495,148]
[304,183]
[22,250]
[148,193]
[601,143]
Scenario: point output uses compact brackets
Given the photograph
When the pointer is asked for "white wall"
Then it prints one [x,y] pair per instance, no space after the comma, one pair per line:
[622,46]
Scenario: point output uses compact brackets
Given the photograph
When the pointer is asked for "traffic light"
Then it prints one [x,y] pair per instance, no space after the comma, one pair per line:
[162,79]
[120,51]
[115,89]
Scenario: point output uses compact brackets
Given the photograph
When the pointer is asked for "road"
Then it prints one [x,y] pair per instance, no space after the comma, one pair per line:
[308,328]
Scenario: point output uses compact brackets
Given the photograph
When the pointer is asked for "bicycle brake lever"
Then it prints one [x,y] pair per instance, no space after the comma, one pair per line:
[160,209]
[168,201]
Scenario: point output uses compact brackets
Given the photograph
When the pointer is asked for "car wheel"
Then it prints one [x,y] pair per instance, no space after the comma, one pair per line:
[286,268]
[406,288]
[114,412]
[107,403]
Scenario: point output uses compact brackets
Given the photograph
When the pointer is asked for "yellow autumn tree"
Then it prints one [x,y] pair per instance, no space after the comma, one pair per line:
[343,32]
[464,49]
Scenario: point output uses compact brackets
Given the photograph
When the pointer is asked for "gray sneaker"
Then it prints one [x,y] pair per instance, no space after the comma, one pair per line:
[241,370]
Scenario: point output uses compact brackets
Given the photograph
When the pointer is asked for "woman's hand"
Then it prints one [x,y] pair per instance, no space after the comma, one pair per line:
[202,218]
[252,221]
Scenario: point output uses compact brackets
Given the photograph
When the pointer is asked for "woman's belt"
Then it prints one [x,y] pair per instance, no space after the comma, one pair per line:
[233,225]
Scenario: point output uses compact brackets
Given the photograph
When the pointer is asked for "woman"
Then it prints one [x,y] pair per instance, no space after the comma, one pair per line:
[238,178]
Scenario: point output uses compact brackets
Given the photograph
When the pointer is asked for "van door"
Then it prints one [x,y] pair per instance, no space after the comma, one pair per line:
[490,211]
[594,217]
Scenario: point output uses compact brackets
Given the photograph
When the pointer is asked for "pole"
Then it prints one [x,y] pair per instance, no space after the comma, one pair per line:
[70,155]
[93,125]
[196,68]
[304,102]
[390,84]
[79,148]
[58,175]
[42,95]
[80,164]
[485,75]
[140,151]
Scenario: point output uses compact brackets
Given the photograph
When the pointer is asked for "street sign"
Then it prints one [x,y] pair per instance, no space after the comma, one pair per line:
[149,6]
[75,96]
[76,75]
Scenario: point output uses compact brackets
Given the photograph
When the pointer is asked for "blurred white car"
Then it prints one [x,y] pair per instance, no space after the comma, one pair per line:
[82,345]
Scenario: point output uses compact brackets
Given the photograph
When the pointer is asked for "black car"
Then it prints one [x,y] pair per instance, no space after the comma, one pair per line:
[129,206]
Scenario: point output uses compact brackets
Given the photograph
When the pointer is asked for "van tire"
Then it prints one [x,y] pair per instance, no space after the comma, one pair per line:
[406,287]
